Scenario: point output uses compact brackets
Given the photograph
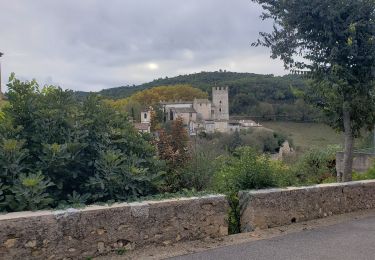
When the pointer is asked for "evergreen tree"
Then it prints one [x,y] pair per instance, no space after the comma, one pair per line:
[235,142]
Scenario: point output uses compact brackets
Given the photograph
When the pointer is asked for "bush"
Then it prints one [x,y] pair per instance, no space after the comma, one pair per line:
[262,139]
[317,165]
[57,150]
[199,172]
[29,192]
[247,169]
[369,175]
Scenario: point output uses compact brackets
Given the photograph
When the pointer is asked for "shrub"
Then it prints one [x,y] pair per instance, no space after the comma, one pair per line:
[118,177]
[87,149]
[246,169]
[369,175]
[29,192]
[317,165]
[262,139]
[199,172]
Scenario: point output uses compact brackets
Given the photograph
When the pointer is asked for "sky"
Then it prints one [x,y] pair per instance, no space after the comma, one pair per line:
[91,45]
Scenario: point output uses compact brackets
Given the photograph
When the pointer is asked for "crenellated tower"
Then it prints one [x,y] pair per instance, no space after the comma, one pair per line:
[220,99]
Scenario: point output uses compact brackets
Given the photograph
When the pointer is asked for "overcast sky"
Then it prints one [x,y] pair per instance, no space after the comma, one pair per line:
[94,44]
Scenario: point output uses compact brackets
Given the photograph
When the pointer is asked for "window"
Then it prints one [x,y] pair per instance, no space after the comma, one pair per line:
[191,115]
[145,116]
[171,115]
[220,110]
[220,102]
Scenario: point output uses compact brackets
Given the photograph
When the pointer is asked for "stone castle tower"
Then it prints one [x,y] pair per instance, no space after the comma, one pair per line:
[220,100]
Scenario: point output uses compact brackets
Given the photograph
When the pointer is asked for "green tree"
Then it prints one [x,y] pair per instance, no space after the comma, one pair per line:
[235,141]
[336,42]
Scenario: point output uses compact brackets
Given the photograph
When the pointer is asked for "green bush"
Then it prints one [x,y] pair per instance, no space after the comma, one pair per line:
[369,175]
[247,169]
[317,165]
[29,192]
[57,150]
[118,177]
[200,171]
[262,139]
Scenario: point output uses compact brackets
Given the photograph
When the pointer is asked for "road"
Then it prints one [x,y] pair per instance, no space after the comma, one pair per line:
[354,239]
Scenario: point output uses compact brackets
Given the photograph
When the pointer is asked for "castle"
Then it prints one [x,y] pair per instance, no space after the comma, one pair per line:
[199,115]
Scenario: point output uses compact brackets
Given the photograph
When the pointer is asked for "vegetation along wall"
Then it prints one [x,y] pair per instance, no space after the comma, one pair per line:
[362,162]
[278,207]
[99,230]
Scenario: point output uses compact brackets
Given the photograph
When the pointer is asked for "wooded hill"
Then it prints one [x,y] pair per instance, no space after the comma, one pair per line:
[262,96]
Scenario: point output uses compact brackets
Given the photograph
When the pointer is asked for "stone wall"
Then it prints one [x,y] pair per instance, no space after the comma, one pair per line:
[361,162]
[277,207]
[100,230]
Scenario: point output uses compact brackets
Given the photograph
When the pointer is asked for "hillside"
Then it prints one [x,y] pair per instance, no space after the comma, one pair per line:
[264,96]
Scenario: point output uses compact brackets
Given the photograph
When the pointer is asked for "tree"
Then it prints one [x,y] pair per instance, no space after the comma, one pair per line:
[235,141]
[157,117]
[334,43]
[173,147]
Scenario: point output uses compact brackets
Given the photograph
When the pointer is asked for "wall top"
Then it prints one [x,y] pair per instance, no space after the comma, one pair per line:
[318,186]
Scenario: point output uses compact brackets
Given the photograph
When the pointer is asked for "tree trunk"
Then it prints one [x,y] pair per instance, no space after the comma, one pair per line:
[346,175]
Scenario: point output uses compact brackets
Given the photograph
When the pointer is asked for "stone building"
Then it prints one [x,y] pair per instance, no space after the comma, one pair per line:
[201,115]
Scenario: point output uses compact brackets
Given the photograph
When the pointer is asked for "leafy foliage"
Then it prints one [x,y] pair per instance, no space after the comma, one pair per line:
[335,40]
[248,170]
[118,177]
[53,147]
[173,147]
[263,140]
[29,192]
[235,141]
[369,175]
[199,172]
[317,165]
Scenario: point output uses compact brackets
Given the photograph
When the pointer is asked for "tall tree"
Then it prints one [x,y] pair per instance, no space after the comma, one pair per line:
[173,147]
[334,43]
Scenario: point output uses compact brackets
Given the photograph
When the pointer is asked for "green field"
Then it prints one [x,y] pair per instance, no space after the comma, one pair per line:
[306,135]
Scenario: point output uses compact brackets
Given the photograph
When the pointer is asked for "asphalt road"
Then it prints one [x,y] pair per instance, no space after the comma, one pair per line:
[354,239]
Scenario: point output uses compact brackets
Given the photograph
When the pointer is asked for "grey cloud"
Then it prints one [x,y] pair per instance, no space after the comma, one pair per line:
[94,44]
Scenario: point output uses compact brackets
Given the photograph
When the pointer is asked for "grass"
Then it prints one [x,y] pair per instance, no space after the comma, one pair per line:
[306,135]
